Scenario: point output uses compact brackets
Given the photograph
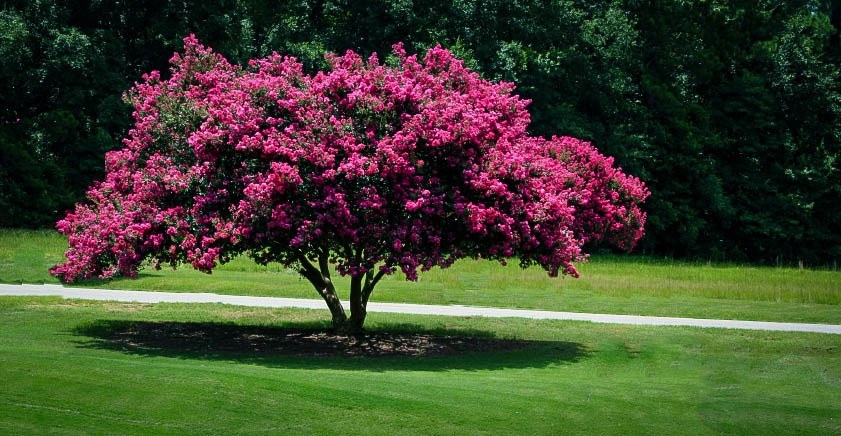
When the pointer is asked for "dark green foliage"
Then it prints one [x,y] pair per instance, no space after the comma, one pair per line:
[748,108]
[729,110]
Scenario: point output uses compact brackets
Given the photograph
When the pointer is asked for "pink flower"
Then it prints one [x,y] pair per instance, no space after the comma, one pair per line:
[385,168]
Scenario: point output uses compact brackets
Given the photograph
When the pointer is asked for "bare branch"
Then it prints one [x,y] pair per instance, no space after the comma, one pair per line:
[323,264]
[369,286]
[309,270]
[369,275]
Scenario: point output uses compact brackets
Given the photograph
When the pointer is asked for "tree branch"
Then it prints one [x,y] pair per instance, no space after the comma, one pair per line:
[322,284]
[369,286]
[369,275]
[323,264]
[310,271]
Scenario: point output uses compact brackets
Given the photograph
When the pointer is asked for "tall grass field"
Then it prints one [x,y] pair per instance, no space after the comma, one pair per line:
[634,285]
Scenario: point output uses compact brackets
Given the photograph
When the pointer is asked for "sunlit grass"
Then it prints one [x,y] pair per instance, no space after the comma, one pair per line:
[28,255]
[62,376]
[608,284]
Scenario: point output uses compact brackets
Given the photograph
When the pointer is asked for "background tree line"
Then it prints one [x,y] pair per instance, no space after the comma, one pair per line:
[730,111]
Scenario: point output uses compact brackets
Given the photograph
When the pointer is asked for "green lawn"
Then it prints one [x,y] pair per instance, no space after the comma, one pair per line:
[60,376]
[609,284]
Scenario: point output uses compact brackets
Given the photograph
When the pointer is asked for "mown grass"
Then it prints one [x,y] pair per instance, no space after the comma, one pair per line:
[608,284]
[59,376]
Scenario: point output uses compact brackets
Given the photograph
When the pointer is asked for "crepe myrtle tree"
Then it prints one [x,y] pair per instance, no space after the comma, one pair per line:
[366,167]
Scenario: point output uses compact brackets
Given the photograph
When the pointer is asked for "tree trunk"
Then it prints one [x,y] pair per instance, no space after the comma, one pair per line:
[320,279]
[337,311]
[357,307]
[360,291]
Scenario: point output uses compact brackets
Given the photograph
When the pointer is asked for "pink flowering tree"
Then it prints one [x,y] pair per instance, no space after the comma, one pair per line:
[363,169]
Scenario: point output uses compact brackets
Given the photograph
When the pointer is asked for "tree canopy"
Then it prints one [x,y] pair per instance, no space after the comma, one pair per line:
[369,167]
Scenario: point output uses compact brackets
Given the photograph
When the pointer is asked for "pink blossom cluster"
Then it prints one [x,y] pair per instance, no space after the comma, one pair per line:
[381,167]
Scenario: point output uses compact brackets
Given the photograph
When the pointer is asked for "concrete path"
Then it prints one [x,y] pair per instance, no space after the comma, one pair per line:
[419,309]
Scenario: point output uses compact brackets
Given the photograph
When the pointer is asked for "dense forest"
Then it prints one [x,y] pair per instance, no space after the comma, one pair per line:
[730,111]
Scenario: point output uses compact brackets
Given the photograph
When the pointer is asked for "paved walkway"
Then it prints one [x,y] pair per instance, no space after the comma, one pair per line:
[419,309]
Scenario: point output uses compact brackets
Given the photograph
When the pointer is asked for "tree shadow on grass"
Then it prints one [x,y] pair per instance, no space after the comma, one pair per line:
[391,347]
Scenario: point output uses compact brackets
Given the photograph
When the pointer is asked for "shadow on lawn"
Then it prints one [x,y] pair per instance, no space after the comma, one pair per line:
[394,347]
